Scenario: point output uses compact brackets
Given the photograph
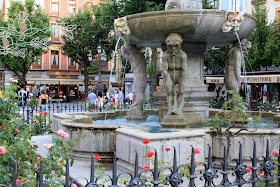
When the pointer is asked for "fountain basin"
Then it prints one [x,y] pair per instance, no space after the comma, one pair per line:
[150,29]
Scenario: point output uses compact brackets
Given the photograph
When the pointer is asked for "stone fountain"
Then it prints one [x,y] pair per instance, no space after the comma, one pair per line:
[183,31]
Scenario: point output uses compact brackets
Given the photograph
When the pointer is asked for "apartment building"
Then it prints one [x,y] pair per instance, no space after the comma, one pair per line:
[53,70]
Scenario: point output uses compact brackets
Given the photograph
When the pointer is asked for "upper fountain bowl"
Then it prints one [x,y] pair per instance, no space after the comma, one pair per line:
[150,29]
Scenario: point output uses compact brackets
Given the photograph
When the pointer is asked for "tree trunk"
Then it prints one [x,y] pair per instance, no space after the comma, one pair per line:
[154,77]
[86,81]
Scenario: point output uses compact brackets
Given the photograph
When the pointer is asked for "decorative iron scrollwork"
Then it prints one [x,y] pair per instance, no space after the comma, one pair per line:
[92,184]
[210,174]
[240,170]
[176,179]
[267,166]
[136,182]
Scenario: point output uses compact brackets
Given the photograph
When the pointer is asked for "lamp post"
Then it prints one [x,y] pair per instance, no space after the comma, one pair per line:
[102,59]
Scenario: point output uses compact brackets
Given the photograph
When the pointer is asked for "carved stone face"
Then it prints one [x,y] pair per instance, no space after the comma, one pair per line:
[121,26]
[173,5]
[173,42]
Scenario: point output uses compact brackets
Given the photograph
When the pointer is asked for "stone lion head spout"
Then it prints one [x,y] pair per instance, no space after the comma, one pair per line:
[121,26]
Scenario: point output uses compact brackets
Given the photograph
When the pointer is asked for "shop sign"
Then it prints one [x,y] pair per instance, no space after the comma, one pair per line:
[216,80]
[261,79]
[71,82]
[49,82]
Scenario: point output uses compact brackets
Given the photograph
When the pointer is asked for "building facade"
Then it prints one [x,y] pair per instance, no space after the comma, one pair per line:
[57,73]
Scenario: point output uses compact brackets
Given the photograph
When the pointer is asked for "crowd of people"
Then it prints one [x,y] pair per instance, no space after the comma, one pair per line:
[99,100]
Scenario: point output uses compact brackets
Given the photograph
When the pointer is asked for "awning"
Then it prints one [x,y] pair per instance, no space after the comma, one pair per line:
[260,79]
[217,80]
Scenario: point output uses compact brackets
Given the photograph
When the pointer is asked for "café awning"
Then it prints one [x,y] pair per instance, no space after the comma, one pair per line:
[260,79]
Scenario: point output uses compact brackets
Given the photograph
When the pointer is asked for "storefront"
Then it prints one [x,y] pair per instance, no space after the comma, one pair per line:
[257,85]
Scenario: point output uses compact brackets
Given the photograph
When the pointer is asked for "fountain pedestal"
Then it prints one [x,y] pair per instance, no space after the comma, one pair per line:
[135,115]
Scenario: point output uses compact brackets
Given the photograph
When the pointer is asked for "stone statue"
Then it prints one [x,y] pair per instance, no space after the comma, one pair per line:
[232,21]
[121,26]
[174,69]
[183,4]
[138,65]
[233,64]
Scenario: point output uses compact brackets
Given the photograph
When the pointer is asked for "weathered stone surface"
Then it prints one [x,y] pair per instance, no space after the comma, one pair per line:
[201,26]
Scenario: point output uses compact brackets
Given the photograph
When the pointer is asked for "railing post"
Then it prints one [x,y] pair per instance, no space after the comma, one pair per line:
[192,175]
[41,174]
[92,169]
[114,172]
[14,184]
[156,180]
[175,179]
[67,177]
[225,172]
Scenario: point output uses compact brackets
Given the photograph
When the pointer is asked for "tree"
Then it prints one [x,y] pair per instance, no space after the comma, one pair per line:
[18,65]
[207,4]
[265,41]
[215,59]
[86,38]
[107,12]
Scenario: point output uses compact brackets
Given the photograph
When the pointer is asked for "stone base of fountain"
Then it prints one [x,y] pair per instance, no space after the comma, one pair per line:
[196,106]
[174,121]
[135,115]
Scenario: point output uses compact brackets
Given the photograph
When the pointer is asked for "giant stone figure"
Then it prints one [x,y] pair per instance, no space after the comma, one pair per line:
[233,64]
[138,65]
[174,70]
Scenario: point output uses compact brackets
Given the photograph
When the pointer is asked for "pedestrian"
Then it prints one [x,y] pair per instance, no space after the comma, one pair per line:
[22,98]
[99,103]
[130,98]
[264,98]
[43,101]
[116,98]
[92,100]
[121,97]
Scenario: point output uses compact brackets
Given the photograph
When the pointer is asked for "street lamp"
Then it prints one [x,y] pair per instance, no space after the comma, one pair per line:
[102,59]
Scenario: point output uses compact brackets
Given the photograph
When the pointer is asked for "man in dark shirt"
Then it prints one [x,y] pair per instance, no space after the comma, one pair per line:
[22,98]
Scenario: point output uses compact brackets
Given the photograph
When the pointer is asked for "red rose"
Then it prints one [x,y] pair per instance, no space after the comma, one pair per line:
[260,171]
[57,110]
[18,181]
[16,129]
[167,148]
[26,180]
[45,112]
[195,160]
[146,168]
[275,153]
[97,157]
[150,154]
[196,151]
[146,141]
[0,127]
[248,170]
[40,113]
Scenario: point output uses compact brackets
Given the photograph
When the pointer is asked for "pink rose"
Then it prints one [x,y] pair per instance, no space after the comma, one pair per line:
[64,135]
[2,150]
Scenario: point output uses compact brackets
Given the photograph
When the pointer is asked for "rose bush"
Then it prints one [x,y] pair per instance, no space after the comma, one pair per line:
[15,144]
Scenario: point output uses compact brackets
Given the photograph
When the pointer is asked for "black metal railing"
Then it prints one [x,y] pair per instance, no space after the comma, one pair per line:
[175,178]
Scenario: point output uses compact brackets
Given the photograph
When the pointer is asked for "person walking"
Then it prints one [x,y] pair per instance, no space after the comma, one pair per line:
[92,100]
[130,95]
[22,99]
[43,101]
[121,97]
[116,98]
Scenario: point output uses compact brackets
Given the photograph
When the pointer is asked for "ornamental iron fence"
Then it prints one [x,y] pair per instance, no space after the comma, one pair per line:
[175,178]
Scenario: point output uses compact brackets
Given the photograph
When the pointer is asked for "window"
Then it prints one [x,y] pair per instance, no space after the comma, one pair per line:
[278,15]
[55,32]
[72,7]
[71,63]
[37,63]
[55,8]
[54,59]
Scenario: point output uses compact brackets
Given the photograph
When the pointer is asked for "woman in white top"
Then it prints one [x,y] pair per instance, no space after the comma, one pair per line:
[116,98]
[264,98]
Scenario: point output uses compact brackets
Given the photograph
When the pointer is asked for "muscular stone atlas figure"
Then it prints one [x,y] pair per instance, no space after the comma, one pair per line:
[138,65]
[174,69]
[233,64]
